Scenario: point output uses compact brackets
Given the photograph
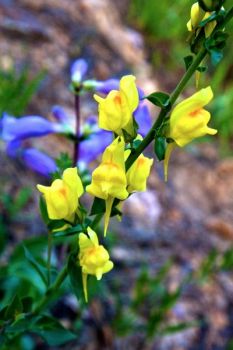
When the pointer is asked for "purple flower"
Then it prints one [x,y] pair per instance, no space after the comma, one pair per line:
[60,114]
[24,127]
[104,87]
[13,147]
[38,161]
[78,70]
[94,145]
[143,118]
[95,142]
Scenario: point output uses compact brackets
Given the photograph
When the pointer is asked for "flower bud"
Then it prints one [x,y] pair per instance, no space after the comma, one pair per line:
[62,196]
[78,71]
[93,258]
[138,173]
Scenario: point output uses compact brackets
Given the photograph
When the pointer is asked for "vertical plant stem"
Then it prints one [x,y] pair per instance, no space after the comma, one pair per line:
[52,290]
[49,253]
[77,126]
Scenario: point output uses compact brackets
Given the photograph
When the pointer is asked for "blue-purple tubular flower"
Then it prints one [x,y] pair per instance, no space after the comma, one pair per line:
[78,70]
[60,114]
[95,141]
[143,118]
[105,86]
[13,148]
[39,161]
[94,145]
[31,126]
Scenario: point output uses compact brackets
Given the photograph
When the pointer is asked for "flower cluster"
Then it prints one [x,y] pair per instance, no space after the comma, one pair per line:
[120,112]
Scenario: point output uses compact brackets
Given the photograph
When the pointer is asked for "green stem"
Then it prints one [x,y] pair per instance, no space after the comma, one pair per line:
[163,113]
[50,237]
[96,221]
[173,97]
[51,291]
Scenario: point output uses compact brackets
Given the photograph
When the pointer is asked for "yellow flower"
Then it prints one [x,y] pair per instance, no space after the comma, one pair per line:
[62,196]
[109,179]
[93,258]
[198,15]
[188,121]
[138,173]
[116,110]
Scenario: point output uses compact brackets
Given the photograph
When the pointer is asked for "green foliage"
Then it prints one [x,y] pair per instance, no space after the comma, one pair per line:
[160,147]
[222,119]
[161,19]
[63,162]
[211,5]
[215,44]
[160,99]
[17,89]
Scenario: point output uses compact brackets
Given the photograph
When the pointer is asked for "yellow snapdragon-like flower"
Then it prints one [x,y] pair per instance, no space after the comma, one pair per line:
[138,173]
[116,109]
[198,15]
[188,121]
[63,195]
[109,179]
[93,258]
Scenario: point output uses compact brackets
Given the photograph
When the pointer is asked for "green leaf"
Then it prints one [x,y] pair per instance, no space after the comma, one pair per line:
[75,275]
[211,5]
[42,271]
[160,147]
[71,231]
[14,309]
[201,69]
[43,211]
[3,312]
[127,137]
[52,331]
[159,99]
[179,327]
[188,60]
[213,17]
[98,207]
[64,161]
[56,224]
[22,324]
[208,266]
[227,260]
[215,44]
[27,303]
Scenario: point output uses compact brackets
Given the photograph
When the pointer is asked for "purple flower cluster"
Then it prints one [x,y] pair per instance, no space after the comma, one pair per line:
[93,141]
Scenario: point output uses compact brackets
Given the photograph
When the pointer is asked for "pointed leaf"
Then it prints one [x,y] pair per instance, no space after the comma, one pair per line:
[42,271]
[159,99]
[160,147]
